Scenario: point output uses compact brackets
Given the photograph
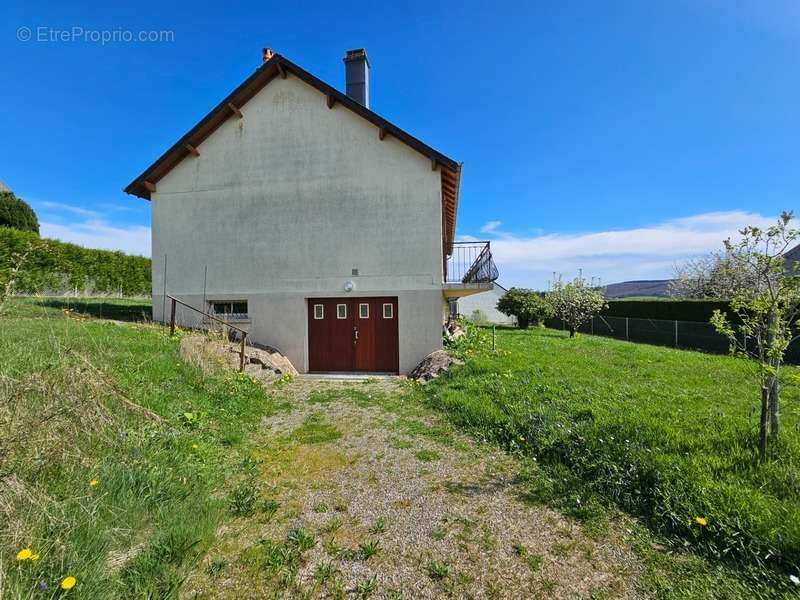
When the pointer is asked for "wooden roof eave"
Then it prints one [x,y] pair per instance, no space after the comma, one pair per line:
[277,65]
[145,184]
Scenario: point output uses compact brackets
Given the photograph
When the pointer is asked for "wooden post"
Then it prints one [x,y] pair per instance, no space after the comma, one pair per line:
[626,329]
[676,333]
[241,354]
[494,338]
[172,318]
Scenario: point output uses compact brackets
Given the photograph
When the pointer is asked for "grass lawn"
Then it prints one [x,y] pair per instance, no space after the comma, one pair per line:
[97,488]
[666,435]
[552,468]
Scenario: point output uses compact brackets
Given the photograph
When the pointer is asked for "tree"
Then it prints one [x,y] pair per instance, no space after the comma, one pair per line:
[17,213]
[766,310]
[717,275]
[526,305]
[575,303]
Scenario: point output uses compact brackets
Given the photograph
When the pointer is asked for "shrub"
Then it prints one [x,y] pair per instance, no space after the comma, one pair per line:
[51,265]
[668,310]
[526,305]
[473,340]
[478,316]
[17,214]
[575,303]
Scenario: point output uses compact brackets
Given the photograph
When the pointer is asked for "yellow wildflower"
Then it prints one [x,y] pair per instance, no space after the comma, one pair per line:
[93,482]
[194,446]
[702,521]
[68,583]
[24,554]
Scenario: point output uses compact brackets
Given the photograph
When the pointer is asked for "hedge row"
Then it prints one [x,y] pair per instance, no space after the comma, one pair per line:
[668,310]
[53,266]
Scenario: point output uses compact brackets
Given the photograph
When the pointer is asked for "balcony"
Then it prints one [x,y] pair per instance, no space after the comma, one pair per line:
[469,269]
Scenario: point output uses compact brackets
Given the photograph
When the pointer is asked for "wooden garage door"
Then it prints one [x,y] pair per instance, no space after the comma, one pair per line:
[353,334]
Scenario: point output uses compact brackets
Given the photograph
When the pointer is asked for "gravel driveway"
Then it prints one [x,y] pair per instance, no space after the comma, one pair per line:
[359,491]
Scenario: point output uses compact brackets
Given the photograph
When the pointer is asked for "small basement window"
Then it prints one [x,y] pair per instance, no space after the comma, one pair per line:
[319,311]
[230,309]
[388,311]
[363,311]
[341,311]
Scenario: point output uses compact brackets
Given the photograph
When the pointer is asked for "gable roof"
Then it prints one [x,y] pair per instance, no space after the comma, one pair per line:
[278,66]
[793,254]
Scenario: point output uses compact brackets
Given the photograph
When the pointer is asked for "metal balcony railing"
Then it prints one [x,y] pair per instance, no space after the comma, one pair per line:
[470,262]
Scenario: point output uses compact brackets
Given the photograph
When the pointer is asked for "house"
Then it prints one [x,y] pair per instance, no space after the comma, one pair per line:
[482,307]
[295,212]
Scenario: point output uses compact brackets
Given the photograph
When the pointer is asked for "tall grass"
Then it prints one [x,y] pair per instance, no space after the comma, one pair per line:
[666,435]
[101,472]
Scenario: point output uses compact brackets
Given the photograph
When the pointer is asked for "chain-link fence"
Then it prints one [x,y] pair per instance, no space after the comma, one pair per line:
[691,335]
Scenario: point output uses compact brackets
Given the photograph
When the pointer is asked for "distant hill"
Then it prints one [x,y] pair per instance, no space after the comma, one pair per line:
[627,289]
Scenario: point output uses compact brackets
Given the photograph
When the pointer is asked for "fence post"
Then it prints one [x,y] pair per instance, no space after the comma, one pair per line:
[494,338]
[241,354]
[592,321]
[626,329]
[172,319]
[676,333]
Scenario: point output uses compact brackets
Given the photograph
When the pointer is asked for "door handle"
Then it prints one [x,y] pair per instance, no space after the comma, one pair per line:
[355,331]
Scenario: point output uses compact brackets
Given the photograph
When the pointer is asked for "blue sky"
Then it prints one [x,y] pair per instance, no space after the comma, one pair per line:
[615,136]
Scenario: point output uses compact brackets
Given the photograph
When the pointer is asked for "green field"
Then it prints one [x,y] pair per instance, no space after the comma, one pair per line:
[666,435]
[88,476]
[120,463]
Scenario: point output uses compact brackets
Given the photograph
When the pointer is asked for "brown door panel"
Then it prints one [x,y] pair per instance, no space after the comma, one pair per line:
[355,343]
[330,338]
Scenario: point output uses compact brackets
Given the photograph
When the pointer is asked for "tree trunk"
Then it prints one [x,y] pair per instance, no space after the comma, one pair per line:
[763,432]
[772,380]
[571,332]
[774,407]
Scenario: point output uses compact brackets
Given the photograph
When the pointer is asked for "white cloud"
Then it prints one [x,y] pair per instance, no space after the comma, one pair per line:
[491,226]
[60,207]
[647,252]
[95,233]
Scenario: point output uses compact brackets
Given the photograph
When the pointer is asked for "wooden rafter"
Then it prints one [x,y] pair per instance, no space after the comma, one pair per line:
[235,110]
[150,187]
[331,101]
[192,150]
[382,133]
[281,70]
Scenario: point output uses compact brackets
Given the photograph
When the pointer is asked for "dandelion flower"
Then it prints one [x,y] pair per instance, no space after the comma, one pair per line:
[68,583]
[702,521]
[93,482]
[24,554]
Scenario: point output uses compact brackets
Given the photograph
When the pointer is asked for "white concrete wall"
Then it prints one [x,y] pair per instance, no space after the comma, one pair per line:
[282,204]
[486,302]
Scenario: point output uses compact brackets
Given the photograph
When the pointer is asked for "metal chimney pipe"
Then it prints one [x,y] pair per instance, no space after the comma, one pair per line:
[356,70]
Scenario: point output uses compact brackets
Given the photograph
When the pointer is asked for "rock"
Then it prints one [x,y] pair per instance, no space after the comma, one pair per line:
[453,331]
[261,362]
[270,359]
[433,365]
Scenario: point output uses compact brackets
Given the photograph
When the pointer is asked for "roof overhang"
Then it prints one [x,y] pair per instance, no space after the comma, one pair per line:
[459,290]
[278,66]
